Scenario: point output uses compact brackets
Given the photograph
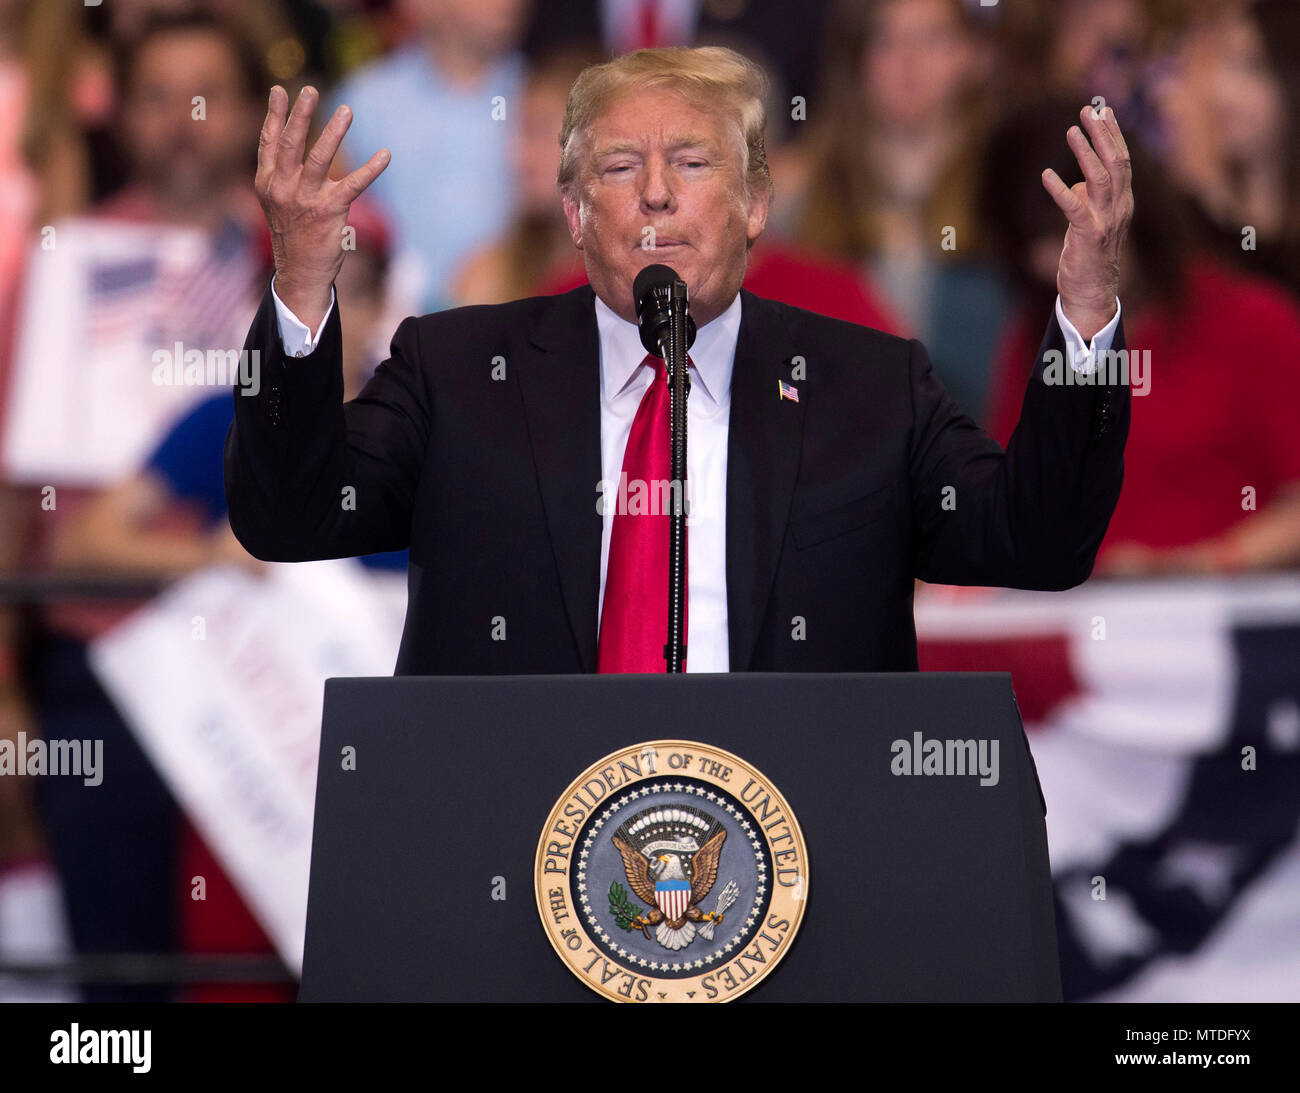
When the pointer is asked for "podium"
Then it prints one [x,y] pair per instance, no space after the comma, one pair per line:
[432,793]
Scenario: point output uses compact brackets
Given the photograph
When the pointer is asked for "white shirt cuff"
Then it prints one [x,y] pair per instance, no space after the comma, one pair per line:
[297,338]
[1083,356]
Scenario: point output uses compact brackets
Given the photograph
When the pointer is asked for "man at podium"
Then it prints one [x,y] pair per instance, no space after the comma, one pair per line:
[520,449]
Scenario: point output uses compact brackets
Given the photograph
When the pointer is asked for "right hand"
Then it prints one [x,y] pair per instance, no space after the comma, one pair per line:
[305,210]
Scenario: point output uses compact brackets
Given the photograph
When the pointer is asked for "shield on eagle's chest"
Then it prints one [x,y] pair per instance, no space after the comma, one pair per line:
[673,897]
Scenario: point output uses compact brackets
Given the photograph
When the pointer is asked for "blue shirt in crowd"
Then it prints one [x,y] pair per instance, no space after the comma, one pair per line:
[190,460]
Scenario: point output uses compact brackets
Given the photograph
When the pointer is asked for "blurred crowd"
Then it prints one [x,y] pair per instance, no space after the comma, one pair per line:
[907,139]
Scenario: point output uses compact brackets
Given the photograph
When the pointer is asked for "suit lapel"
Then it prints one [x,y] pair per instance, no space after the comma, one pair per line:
[763,445]
[560,388]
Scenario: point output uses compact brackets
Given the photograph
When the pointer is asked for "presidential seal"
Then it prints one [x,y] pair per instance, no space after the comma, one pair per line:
[671,871]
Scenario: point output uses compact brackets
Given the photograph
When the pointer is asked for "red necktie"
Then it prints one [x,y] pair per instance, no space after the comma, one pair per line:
[634,620]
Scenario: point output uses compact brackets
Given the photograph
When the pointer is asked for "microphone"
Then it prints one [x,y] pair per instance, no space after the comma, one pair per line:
[655,290]
[667,331]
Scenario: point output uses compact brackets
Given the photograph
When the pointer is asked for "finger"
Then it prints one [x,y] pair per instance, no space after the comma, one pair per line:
[351,185]
[1104,142]
[277,106]
[293,138]
[1123,159]
[317,165]
[1112,124]
[1094,171]
[1067,200]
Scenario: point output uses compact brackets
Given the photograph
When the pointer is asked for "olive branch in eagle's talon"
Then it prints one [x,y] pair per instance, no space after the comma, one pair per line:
[626,913]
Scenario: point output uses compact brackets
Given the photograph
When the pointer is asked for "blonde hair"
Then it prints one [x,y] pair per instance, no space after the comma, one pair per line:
[711,78]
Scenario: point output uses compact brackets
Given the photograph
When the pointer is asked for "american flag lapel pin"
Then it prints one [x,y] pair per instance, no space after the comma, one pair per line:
[786,390]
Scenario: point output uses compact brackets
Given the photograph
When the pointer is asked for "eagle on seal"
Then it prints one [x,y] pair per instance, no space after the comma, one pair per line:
[672,876]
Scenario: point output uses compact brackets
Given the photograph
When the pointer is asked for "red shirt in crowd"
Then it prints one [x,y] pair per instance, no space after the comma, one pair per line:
[1220,415]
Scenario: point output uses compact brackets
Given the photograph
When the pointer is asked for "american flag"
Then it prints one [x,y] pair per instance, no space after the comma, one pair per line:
[786,390]
[84,405]
[1169,757]
[205,303]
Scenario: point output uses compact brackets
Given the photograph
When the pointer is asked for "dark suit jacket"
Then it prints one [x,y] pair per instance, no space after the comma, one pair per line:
[834,503]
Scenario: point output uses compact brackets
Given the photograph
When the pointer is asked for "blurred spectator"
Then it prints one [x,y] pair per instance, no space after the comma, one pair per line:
[44,170]
[1230,114]
[174,256]
[122,531]
[117,532]
[110,29]
[785,42]
[894,173]
[1212,466]
[536,244]
[192,267]
[444,105]
[183,172]
[37,178]
[1095,47]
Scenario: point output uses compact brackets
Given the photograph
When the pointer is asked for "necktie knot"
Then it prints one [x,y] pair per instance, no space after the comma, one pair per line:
[659,365]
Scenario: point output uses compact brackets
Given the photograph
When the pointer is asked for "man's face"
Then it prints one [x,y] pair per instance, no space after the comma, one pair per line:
[189,157]
[661,182]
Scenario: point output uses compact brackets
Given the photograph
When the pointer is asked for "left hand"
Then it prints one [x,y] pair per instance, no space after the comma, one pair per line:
[1099,210]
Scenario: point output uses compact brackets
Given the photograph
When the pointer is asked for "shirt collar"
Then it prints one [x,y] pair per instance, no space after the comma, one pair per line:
[713,354]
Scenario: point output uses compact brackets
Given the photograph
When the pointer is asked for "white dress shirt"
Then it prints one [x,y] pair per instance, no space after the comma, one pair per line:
[622,383]
[623,380]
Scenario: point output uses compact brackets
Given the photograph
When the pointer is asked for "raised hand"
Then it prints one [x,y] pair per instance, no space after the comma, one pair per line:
[1099,210]
[305,210]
